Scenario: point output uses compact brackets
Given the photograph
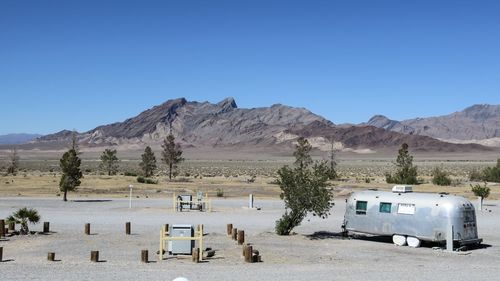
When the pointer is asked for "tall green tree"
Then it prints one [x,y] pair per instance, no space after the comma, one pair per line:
[332,161]
[14,162]
[406,173]
[301,154]
[109,161]
[70,167]
[148,163]
[171,155]
[303,189]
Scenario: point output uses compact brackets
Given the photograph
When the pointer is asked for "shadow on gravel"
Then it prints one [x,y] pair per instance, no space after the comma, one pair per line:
[322,235]
[92,201]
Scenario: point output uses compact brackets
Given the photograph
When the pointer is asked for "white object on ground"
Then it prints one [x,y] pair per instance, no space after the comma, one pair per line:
[181,279]
[413,242]
[399,240]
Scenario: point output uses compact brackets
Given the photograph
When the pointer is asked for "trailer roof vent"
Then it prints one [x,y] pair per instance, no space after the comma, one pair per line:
[402,189]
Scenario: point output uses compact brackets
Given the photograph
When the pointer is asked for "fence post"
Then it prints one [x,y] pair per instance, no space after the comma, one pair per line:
[241,237]
[229,229]
[87,228]
[144,256]
[2,228]
[51,256]
[94,256]
[127,228]
[46,227]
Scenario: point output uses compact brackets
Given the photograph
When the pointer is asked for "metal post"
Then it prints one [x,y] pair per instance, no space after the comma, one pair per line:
[480,203]
[449,238]
[250,201]
[130,198]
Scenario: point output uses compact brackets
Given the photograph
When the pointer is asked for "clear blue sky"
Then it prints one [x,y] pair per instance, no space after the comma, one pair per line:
[79,64]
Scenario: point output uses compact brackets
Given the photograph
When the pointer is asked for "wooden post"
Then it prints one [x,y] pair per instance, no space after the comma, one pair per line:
[51,256]
[144,256]
[196,255]
[229,229]
[1,254]
[12,226]
[248,254]
[94,256]
[241,237]
[46,227]
[2,228]
[127,228]
[235,234]
[166,227]
[87,228]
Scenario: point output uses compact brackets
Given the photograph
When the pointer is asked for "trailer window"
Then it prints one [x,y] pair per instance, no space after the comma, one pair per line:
[385,207]
[361,207]
[469,216]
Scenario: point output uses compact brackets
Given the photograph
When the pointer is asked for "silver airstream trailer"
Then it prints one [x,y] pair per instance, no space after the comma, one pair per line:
[411,217]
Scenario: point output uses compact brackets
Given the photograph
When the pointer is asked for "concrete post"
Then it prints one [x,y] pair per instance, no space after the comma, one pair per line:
[250,201]
[479,203]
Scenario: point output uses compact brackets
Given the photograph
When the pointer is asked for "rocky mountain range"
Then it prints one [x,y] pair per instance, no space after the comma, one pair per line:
[475,123]
[204,124]
[17,138]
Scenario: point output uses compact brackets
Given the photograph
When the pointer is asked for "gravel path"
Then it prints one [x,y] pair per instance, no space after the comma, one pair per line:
[297,257]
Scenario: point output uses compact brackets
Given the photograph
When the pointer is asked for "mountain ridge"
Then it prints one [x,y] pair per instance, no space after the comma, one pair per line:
[476,122]
[224,124]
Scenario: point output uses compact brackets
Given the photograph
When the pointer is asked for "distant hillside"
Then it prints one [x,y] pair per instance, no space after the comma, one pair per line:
[17,138]
[203,124]
[478,122]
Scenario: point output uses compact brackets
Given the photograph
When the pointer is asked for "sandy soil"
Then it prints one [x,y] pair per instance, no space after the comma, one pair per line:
[314,253]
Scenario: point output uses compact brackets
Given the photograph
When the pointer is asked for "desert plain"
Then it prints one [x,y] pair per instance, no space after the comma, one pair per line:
[315,251]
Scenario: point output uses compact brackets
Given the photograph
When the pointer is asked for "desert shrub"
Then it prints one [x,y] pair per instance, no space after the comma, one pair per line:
[220,192]
[141,179]
[251,180]
[130,174]
[492,174]
[440,177]
[475,175]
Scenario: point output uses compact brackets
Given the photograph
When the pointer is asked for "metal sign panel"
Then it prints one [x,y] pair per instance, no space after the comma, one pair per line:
[406,209]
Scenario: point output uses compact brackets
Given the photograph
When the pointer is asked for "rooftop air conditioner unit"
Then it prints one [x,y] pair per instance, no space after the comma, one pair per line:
[402,189]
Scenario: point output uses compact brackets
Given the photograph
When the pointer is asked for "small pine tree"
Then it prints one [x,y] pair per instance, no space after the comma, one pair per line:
[148,163]
[406,173]
[70,167]
[171,155]
[109,162]
[492,174]
[14,162]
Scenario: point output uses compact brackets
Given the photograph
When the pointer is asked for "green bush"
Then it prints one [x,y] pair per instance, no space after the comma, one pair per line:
[440,177]
[141,179]
[481,191]
[130,174]
[489,174]
[220,192]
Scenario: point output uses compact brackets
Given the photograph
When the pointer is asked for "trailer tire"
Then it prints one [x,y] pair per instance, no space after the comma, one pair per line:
[413,242]
[399,240]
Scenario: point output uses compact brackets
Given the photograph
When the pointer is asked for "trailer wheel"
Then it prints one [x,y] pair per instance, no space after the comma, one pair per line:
[399,240]
[413,242]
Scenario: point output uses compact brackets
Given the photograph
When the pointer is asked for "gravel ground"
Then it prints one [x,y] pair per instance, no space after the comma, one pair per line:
[303,256]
